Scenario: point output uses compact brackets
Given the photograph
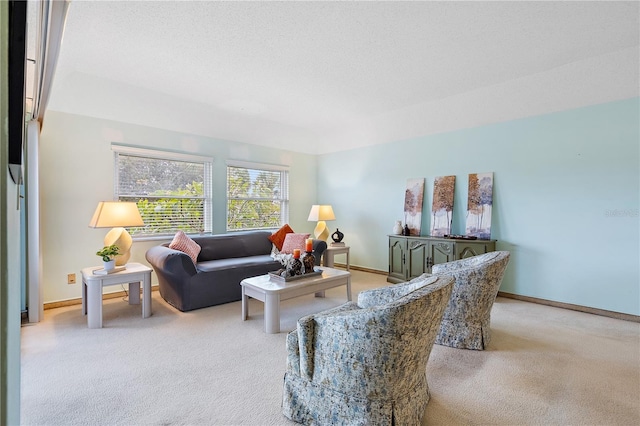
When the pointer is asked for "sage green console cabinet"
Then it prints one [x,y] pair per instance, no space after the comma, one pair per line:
[410,257]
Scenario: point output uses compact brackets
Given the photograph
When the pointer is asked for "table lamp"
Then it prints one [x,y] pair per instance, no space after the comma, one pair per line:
[320,213]
[117,214]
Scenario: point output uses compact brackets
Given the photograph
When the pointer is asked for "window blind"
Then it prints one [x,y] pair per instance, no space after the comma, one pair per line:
[172,191]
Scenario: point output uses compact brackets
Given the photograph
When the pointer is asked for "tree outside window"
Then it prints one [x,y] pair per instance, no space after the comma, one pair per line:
[257,197]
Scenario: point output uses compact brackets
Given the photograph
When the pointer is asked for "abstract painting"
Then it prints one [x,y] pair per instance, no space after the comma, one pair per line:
[479,205]
[413,198]
[442,205]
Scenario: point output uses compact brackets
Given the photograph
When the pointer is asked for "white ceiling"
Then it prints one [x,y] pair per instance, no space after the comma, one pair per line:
[319,77]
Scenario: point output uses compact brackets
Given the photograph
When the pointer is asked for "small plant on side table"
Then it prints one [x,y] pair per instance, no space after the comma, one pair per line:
[108,254]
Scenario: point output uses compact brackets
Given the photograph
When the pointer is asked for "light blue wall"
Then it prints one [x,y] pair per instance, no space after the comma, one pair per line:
[566,190]
[76,171]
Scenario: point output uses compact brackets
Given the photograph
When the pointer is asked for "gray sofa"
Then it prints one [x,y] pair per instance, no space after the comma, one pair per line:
[224,261]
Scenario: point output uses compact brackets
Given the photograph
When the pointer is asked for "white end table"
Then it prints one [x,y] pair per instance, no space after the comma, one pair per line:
[331,251]
[92,284]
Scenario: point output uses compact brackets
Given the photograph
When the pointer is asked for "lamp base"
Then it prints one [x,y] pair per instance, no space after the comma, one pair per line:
[321,232]
[121,238]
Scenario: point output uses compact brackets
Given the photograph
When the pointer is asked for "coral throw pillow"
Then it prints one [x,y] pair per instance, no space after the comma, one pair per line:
[182,242]
[293,241]
[277,237]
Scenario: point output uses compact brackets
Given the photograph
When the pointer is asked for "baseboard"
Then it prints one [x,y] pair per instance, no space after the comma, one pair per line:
[78,301]
[360,268]
[586,309]
[118,294]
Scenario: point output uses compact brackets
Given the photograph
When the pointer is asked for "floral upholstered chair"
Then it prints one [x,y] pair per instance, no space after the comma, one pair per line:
[365,363]
[466,321]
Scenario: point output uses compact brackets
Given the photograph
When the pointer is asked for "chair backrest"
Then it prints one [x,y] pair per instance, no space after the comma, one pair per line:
[418,316]
[395,336]
[478,280]
[393,293]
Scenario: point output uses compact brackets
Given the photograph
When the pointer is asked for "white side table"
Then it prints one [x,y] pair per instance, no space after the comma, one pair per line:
[92,284]
[327,256]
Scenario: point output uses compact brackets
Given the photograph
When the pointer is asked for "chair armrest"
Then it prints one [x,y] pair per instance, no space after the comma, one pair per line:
[352,351]
[455,265]
[293,352]
[320,332]
[385,295]
[468,263]
[306,337]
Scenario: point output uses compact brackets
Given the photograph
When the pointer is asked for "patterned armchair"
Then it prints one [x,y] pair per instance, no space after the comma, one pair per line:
[365,363]
[466,321]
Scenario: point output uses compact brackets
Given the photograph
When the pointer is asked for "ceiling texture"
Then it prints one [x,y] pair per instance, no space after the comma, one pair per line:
[321,77]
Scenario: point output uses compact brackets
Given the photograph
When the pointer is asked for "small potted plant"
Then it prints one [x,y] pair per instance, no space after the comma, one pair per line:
[108,255]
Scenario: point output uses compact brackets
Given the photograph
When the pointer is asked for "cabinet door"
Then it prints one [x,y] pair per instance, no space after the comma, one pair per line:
[417,257]
[469,249]
[440,252]
[396,258]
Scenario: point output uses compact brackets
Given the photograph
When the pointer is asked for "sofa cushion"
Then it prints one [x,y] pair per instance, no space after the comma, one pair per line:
[294,241]
[277,238]
[182,242]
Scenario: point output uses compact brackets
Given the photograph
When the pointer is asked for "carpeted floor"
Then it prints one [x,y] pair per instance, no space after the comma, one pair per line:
[544,366]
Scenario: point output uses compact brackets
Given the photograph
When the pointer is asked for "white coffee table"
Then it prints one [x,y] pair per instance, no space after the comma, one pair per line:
[92,284]
[271,292]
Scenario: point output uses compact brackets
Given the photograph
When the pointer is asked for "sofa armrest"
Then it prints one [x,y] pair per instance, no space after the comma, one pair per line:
[171,262]
[174,270]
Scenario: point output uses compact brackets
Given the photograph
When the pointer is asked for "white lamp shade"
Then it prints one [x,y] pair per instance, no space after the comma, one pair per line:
[109,214]
[117,214]
[321,212]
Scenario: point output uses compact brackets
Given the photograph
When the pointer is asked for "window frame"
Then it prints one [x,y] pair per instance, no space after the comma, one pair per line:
[156,154]
[284,190]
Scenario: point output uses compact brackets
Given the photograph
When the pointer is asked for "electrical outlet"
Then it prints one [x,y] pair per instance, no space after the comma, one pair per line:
[71,278]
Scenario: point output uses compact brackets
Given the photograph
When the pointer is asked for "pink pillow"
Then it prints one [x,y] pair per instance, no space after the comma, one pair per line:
[293,241]
[182,242]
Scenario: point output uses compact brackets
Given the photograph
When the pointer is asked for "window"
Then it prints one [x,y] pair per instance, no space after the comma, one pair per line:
[257,196]
[172,190]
